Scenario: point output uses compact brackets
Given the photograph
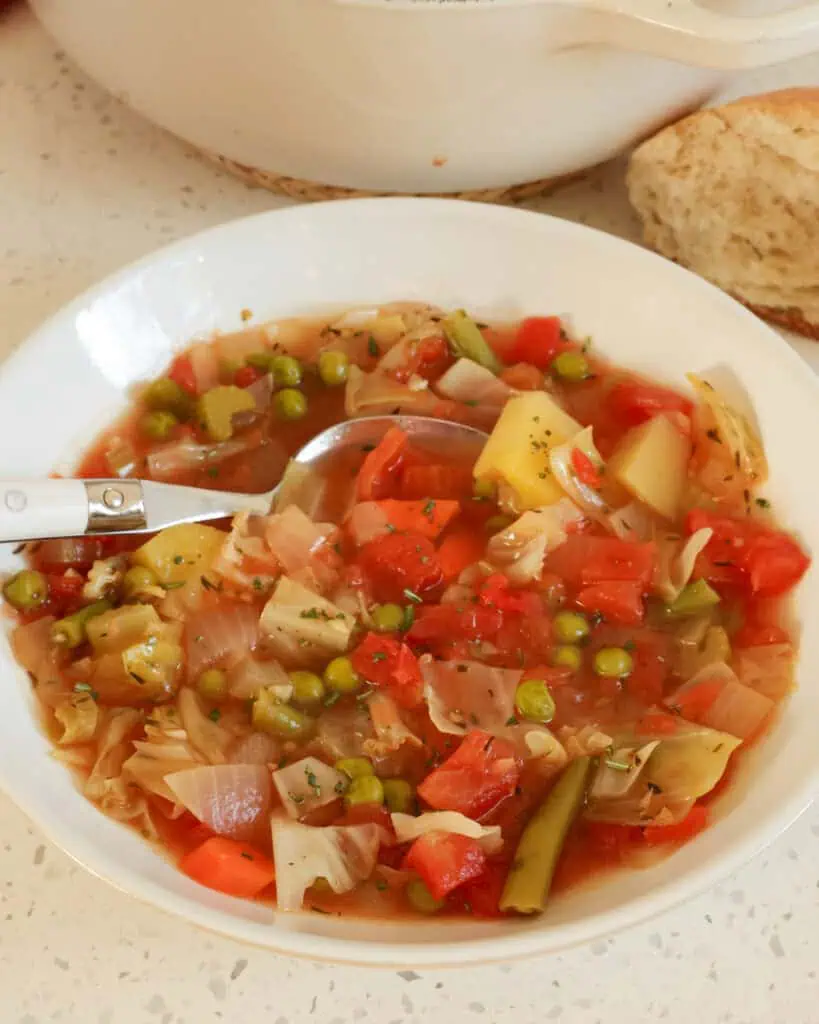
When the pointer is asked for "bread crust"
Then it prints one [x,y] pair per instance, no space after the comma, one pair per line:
[675,158]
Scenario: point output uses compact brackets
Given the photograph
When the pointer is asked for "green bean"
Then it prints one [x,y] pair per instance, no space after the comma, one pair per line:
[308,688]
[530,877]
[694,599]
[571,366]
[70,631]
[26,590]
[465,339]
[137,580]
[280,719]
[333,367]
[570,627]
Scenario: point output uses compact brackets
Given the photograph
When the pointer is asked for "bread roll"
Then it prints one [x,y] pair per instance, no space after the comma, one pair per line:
[733,194]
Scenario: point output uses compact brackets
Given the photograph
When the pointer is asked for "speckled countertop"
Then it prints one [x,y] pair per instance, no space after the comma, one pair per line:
[86,186]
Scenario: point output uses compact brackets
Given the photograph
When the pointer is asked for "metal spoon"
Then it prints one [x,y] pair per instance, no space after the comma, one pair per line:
[37,509]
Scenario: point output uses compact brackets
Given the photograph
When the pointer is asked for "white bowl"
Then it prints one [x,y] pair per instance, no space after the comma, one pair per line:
[72,377]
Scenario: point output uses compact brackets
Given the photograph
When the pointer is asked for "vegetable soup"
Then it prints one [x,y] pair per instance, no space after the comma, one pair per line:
[424,683]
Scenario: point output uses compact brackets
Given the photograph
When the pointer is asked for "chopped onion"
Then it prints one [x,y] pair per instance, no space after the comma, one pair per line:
[79,717]
[298,543]
[225,635]
[343,730]
[205,365]
[390,730]
[618,773]
[372,394]
[231,799]
[205,735]
[468,381]
[632,522]
[256,748]
[344,856]
[584,496]
[737,710]
[296,615]
[249,676]
[167,461]
[735,431]
[32,647]
[677,564]
[584,741]
[103,577]
[308,784]
[464,693]
[767,669]
[536,742]
[367,520]
[520,548]
[408,828]
[112,749]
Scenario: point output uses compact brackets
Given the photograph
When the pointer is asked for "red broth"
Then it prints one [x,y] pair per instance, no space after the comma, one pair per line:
[532,645]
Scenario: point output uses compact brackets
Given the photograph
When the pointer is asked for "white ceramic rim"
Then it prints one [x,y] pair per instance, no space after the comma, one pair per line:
[498,946]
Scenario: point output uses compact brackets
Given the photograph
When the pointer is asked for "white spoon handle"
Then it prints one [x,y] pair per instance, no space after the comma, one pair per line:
[30,509]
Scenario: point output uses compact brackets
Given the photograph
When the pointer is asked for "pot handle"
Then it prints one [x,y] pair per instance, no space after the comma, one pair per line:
[684,31]
[678,30]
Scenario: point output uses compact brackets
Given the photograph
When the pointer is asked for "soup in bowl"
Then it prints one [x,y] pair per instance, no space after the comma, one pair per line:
[433,691]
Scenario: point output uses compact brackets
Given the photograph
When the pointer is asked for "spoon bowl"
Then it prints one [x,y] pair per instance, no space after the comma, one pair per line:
[40,509]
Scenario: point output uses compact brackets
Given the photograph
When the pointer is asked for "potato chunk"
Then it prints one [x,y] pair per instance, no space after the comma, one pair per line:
[651,463]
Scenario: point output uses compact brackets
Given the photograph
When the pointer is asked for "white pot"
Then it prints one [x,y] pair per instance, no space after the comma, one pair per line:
[418,95]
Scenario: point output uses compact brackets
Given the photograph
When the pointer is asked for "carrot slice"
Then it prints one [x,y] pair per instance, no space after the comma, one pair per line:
[458,551]
[229,866]
[429,518]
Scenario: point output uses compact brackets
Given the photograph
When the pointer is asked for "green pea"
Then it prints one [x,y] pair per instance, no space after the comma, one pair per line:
[398,796]
[137,580]
[286,371]
[534,702]
[212,684]
[290,404]
[158,425]
[354,767]
[567,656]
[70,631]
[421,899]
[280,719]
[484,488]
[388,618]
[571,366]
[341,677]
[570,627]
[364,789]
[165,395]
[333,368]
[613,662]
[26,590]
[494,524]
[308,688]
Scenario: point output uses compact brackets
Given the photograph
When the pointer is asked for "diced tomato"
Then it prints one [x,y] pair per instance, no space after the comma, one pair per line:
[694,702]
[752,635]
[650,657]
[398,563]
[379,471]
[429,517]
[65,587]
[229,866]
[445,860]
[386,662]
[619,601]
[481,897]
[538,341]
[181,372]
[495,592]
[429,359]
[481,772]
[435,480]
[692,824]
[585,560]
[367,814]
[584,469]
[522,377]
[633,402]
[657,723]
[54,557]
[771,561]
[458,551]
[438,627]
[247,375]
